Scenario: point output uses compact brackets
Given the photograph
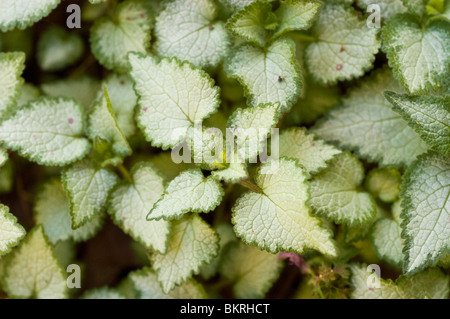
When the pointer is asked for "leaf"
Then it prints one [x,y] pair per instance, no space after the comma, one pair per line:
[11,232]
[11,67]
[335,192]
[416,7]
[251,128]
[269,75]
[52,210]
[278,218]
[386,241]
[102,123]
[429,284]
[123,102]
[345,46]
[3,157]
[296,15]
[251,23]
[113,38]
[87,187]
[232,174]
[28,93]
[71,88]
[313,154]
[388,8]
[384,183]
[47,131]
[23,13]
[32,270]
[426,211]
[418,54]
[58,48]
[237,5]
[172,96]
[103,293]
[192,244]
[251,270]
[148,287]
[129,204]
[429,116]
[188,192]
[366,124]
[202,39]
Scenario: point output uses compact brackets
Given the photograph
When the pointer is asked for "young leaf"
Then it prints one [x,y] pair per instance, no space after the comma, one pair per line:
[147,286]
[189,30]
[129,204]
[71,88]
[192,243]
[418,54]
[429,116]
[232,174]
[123,102]
[111,40]
[251,23]
[172,96]
[87,187]
[388,8]
[58,48]
[23,13]
[251,270]
[384,183]
[277,218]
[188,192]
[269,75]
[102,123]
[310,152]
[416,7]
[251,128]
[345,46]
[32,270]
[11,67]
[387,242]
[366,124]
[103,293]
[296,15]
[429,284]
[335,192]
[47,131]
[425,199]
[11,232]
[52,210]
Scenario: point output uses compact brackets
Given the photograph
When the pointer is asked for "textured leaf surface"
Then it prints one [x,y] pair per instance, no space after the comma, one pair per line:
[52,210]
[419,55]
[23,13]
[268,75]
[11,67]
[251,270]
[344,48]
[387,241]
[388,8]
[430,284]
[111,41]
[232,174]
[47,131]
[188,192]
[87,187]
[11,232]
[189,30]
[278,218]
[335,194]
[172,96]
[365,123]
[129,205]
[192,243]
[310,152]
[426,211]
[384,183]
[32,270]
[148,287]
[429,116]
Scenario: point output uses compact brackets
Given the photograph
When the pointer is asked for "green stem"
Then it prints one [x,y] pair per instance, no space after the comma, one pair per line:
[251,186]
[125,173]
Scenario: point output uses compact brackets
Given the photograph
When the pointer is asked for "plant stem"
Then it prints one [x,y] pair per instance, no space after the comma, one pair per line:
[251,186]
[125,173]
